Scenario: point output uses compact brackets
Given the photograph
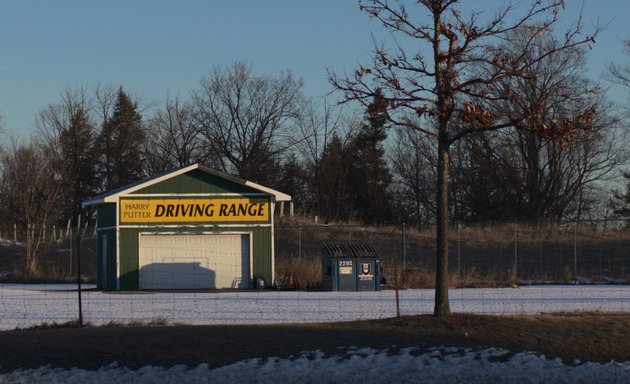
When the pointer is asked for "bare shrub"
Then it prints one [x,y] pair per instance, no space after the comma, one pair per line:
[307,270]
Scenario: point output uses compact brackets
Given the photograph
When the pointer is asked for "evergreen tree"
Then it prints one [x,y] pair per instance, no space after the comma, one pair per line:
[79,162]
[293,179]
[370,178]
[67,131]
[332,183]
[120,144]
[447,70]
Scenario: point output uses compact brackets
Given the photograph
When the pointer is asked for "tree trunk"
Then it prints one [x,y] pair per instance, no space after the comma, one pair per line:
[442,307]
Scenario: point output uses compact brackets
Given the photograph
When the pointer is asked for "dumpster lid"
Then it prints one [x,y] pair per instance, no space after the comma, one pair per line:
[350,250]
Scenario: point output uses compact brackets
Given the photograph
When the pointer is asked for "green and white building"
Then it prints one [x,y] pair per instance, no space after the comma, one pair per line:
[191,228]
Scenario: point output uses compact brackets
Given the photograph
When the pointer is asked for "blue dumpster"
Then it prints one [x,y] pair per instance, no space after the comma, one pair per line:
[350,267]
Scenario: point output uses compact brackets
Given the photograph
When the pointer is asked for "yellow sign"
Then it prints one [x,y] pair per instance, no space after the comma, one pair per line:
[193,210]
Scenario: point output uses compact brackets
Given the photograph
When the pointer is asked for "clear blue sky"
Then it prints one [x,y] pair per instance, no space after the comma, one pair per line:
[155,47]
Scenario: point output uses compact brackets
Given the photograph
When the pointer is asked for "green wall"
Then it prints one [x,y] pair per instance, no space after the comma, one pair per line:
[195,182]
[110,283]
[191,183]
[129,256]
[106,215]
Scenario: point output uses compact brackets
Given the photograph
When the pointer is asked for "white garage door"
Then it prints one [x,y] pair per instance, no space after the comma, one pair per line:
[194,261]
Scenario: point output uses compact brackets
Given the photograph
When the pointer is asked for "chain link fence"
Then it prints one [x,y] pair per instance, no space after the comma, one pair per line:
[484,262]
[46,254]
[479,255]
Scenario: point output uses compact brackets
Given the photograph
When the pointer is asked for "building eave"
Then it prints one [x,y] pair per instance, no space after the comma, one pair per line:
[115,195]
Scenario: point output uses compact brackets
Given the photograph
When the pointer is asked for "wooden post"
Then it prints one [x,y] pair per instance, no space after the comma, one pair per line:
[77,248]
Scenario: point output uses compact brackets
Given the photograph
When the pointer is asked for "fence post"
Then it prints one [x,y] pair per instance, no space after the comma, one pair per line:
[404,246]
[459,257]
[299,241]
[575,253]
[396,281]
[71,251]
[77,246]
[515,266]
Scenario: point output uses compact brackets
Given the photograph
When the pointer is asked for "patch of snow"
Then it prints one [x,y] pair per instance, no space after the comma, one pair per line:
[438,365]
[45,287]
[28,305]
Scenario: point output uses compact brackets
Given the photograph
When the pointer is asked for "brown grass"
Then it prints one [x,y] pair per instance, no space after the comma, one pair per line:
[308,272]
[597,337]
[55,261]
[485,254]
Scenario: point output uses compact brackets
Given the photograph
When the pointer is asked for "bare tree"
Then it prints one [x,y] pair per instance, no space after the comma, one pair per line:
[173,138]
[413,164]
[442,82]
[105,97]
[29,193]
[67,129]
[247,120]
[535,178]
[317,125]
[620,73]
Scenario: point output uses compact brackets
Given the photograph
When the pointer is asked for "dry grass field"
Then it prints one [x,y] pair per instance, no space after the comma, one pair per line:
[595,337]
[480,256]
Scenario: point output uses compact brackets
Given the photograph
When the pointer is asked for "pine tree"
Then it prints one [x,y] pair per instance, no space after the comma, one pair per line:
[370,178]
[332,184]
[79,161]
[120,144]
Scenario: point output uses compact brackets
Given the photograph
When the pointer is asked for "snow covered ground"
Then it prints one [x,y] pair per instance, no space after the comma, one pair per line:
[28,305]
[439,365]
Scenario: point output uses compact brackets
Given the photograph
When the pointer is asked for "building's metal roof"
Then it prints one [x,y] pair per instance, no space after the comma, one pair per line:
[350,250]
[114,195]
